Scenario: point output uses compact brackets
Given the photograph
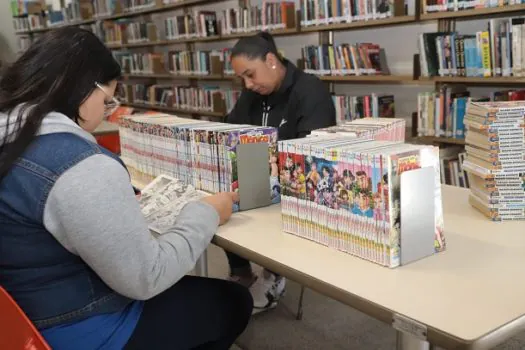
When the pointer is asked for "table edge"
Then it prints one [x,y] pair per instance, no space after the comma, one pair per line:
[434,336]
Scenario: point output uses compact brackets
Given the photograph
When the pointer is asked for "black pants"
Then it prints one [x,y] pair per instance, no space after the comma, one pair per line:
[196,313]
[239,265]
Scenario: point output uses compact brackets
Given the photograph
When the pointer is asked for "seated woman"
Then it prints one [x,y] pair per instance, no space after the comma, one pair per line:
[75,251]
[276,93]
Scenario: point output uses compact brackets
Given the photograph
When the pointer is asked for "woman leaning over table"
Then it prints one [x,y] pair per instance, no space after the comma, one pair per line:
[276,93]
[75,251]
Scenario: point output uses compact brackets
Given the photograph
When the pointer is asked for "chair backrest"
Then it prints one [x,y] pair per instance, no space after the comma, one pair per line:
[17,332]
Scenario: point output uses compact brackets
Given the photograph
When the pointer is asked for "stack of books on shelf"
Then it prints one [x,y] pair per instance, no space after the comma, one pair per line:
[139,32]
[451,166]
[230,98]
[344,59]
[200,24]
[315,13]
[22,8]
[203,154]
[442,113]
[370,106]
[195,62]
[137,5]
[495,52]
[379,129]
[140,63]
[184,98]
[345,193]
[227,60]
[269,16]
[430,6]
[28,23]
[495,158]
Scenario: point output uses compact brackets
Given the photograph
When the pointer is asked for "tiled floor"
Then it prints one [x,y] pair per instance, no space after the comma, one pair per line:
[326,324]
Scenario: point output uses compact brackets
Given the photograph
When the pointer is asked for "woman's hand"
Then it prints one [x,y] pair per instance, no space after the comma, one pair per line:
[223,204]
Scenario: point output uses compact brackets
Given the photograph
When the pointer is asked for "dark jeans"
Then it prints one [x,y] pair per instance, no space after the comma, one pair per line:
[239,266]
[196,313]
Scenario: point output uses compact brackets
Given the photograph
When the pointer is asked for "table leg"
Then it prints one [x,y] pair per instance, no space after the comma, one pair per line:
[299,315]
[201,267]
[407,341]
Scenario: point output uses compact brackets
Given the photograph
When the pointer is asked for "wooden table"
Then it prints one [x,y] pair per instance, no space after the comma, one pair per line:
[470,297]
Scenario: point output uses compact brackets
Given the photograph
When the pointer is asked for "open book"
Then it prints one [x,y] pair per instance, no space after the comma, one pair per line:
[163,199]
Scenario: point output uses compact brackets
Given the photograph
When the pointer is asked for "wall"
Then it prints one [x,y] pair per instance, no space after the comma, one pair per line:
[8,42]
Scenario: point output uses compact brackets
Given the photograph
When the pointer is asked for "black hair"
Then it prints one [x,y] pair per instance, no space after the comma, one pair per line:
[57,73]
[256,46]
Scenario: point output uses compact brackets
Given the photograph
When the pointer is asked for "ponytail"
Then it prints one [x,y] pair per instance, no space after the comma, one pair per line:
[256,46]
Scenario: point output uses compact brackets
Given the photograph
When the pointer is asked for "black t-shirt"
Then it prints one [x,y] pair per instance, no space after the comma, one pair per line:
[301,104]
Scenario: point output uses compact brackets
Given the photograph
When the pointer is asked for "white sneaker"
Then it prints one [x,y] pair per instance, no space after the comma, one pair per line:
[266,292]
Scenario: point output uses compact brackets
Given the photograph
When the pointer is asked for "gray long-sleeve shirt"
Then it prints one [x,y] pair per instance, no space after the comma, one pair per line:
[92,211]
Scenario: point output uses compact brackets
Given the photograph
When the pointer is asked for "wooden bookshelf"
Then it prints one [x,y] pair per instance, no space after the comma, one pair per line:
[156,9]
[476,80]
[375,79]
[481,12]
[174,110]
[179,76]
[280,32]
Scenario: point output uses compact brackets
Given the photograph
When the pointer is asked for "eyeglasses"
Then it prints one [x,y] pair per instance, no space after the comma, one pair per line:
[109,106]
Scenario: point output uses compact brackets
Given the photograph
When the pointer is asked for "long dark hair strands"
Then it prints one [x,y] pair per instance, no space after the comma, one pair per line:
[56,74]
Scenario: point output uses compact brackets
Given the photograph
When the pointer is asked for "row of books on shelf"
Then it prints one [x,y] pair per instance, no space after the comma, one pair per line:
[267,16]
[205,62]
[186,26]
[368,106]
[495,52]
[344,59]
[41,15]
[359,59]
[192,99]
[442,113]
[214,99]
[270,15]
[344,192]
[495,162]
[451,166]
[315,12]
[430,6]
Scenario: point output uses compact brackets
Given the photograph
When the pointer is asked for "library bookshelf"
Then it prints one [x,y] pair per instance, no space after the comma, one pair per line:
[445,20]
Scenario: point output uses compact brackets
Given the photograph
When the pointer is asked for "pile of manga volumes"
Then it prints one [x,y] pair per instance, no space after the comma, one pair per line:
[495,163]
[200,153]
[388,129]
[162,200]
[344,192]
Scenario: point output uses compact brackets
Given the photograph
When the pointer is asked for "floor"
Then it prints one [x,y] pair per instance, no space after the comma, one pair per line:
[326,324]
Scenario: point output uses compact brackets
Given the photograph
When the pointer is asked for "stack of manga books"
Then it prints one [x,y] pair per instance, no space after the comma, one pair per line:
[495,163]
[392,129]
[344,192]
[200,153]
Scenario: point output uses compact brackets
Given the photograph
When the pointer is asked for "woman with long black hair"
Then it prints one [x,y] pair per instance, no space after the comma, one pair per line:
[75,251]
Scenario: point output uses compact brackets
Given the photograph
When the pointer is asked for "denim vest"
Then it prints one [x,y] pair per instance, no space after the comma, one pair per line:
[51,285]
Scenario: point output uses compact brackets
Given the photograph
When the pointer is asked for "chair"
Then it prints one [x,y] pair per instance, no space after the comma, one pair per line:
[17,332]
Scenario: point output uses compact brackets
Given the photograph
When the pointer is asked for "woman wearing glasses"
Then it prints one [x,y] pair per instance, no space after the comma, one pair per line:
[75,252]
